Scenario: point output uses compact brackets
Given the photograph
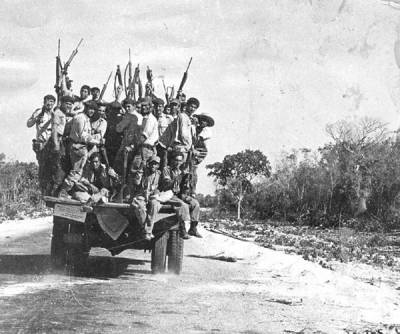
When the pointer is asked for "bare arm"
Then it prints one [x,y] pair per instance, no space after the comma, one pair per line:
[32,120]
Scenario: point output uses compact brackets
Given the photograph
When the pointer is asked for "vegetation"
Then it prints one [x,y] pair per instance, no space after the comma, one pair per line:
[237,173]
[19,188]
[354,181]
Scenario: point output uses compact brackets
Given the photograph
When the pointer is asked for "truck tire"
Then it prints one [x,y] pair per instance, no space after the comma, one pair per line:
[77,255]
[159,254]
[175,252]
[58,246]
[76,261]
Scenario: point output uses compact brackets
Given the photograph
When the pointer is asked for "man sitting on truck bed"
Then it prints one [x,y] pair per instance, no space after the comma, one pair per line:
[143,186]
[96,181]
[172,179]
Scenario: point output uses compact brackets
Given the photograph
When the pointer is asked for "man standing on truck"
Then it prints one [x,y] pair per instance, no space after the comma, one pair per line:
[164,120]
[184,131]
[59,132]
[130,127]
[42,117]
[80,137]
[203,135]
[148,135]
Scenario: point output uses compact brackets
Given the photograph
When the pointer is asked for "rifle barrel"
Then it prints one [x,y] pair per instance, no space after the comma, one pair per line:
[79,44]
[190,61]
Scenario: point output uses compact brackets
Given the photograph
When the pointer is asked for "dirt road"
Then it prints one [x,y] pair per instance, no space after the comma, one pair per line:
[264,292]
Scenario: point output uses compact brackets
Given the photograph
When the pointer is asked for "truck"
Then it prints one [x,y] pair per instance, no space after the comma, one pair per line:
[78,227]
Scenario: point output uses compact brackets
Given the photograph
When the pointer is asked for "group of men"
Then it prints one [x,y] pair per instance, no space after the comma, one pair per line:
[139,152]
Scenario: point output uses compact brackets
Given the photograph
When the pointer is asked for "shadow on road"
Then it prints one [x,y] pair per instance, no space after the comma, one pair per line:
[101,267]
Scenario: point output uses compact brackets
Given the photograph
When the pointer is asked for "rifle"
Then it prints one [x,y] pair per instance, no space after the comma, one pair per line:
[136,79]
[149,84]
[187,181]
[103,90]
[103,152]
[59,70]
[184,78]
[128,72]
[123,178]
[171,96]
[166,92]
[71,57]
[140,88]
[117,83]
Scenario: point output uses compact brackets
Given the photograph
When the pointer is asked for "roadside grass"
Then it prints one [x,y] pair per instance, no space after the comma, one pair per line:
[23,210]
[317,244]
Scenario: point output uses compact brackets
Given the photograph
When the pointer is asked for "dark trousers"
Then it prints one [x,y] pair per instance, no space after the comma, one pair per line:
[162,152]
[78,157]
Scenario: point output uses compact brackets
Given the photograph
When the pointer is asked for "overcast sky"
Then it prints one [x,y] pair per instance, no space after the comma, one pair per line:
[271,73]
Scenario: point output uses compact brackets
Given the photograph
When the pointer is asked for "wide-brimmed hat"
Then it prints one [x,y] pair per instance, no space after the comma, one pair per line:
[206,118]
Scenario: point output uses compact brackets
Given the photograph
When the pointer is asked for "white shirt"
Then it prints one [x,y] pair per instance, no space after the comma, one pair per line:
[150,129]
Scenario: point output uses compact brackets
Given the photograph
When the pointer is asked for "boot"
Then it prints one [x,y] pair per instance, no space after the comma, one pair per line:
[193,230]
[182,231]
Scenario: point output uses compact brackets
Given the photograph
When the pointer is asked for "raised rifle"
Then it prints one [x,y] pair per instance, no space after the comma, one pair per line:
[149,84]
[184,78]
[71,57]
[129,90]
[103,90]
[171,96]
[138,82]
[118,86]
[165,92]
[59,70]
[140,89]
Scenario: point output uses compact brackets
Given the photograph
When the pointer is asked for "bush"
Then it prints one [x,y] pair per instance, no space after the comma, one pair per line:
[19,189]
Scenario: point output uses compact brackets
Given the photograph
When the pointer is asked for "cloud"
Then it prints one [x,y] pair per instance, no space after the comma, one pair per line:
[18,68]
[27,13]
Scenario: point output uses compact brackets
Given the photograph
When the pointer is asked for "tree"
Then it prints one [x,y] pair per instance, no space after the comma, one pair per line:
[237,173]
[356,144]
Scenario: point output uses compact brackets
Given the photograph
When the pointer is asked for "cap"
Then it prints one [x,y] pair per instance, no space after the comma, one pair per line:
[145,101]
[174,101]
[194,101]
[154,159]
[128,101]
[205,118]
[158,101]
[91,105]
[67,99]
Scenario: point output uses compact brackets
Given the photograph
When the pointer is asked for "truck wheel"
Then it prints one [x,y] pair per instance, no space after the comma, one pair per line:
[175,252]
[58,246]
[76,261]
[159,254]
[77,254]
